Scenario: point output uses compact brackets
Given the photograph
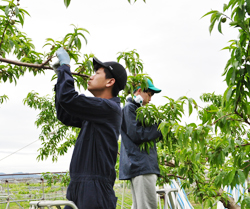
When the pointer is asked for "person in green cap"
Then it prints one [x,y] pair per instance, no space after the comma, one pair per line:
[140,167]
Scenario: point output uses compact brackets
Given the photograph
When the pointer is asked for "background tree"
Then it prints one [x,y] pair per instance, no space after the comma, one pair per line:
[215,153]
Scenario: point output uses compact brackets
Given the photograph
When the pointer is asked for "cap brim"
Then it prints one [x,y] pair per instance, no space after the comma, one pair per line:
[96,61]
[155,90]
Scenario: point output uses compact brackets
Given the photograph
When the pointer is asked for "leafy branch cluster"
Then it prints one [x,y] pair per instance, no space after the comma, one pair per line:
[3,98]
[53,178]
[207,156]
[53,132]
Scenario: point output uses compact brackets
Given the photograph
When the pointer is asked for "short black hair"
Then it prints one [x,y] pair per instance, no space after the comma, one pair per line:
[146,91]
[115,88]
[149,90]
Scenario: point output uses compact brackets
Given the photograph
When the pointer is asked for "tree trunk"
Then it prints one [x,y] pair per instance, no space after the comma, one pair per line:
[228,203]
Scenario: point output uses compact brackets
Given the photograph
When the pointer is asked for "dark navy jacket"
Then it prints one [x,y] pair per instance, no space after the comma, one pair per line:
[133,161]
[95,151]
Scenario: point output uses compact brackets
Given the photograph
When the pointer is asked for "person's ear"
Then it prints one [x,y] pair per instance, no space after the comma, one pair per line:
[110,82]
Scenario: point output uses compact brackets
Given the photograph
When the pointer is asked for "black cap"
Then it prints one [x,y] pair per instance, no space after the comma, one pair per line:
[117,71]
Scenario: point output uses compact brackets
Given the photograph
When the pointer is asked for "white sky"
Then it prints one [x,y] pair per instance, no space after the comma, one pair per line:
[174,43]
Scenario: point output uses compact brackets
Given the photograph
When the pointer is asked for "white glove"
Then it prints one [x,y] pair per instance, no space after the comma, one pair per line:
[63,56]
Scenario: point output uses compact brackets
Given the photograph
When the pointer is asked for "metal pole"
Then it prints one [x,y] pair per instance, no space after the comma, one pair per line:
[43,198]
[8,198]
[123,193]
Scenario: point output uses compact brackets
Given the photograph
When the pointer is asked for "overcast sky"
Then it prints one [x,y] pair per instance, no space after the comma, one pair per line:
[173,41]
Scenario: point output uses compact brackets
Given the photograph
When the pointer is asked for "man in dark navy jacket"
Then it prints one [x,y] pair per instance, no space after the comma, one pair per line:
[92,167]
[140,167]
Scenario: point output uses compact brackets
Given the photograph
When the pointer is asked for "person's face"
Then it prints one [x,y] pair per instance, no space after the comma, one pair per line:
[97,81]
[146,97]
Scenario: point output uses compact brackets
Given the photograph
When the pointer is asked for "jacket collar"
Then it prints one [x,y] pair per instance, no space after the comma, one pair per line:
[116,99]
[133,101]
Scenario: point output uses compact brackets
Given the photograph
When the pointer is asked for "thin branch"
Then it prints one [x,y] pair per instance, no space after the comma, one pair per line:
[221,118]
[79,74]
[227,17]
[180,177]
[235,119]
[202,108]
[170,175]
[170,164]
[246,167]
[40,66]
[242,145]
[47,61]
[241,115]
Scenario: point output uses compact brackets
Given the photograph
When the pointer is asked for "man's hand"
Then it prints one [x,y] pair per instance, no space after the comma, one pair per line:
[63,56]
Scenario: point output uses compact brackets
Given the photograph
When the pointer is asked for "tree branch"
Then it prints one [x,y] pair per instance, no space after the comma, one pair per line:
[170,164]
[180,177]
[246,167]
[221,118]
[242,145]
[40,66]
[47,61]
[241,115]
[170,175]
[227,203]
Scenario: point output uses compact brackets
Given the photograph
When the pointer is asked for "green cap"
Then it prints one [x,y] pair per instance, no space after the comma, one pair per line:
[152,87]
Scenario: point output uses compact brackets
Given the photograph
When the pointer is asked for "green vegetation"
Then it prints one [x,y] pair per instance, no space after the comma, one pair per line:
[28,191]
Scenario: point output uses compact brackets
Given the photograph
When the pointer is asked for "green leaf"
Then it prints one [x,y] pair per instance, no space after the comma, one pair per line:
[248,67]
[231,176]
[229,75]
[219,27]
[229,93]
[17,11]
[67,2]
[197,157]
[7,10]
[211,12]
[233,77]
[23,11]
[20,19]
[225,7]
[218,180]
[241,14]
[238,54]
[241,176]
[212,25]
[248,6]
[233,23]
[190,107]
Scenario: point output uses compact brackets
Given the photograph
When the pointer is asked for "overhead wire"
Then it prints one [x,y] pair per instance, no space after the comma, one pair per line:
[19,150]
